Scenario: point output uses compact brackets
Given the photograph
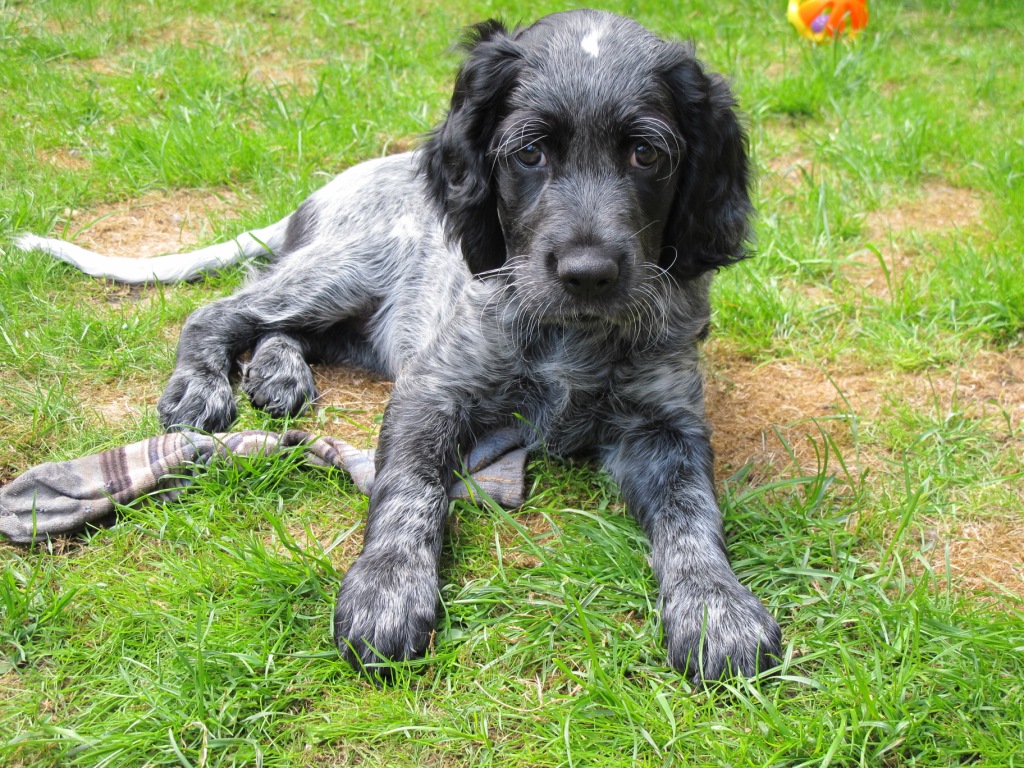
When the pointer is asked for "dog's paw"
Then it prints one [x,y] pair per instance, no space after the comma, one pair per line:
[278,380]
[386,610]
[197,399]
[717,631]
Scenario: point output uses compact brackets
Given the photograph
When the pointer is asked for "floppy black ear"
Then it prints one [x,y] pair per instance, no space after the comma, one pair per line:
[710,222]
[455,159]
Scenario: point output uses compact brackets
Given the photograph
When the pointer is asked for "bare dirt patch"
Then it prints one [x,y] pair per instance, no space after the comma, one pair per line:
[65,158]
[279,67]
[10,684]
[185,32]
[939,208]
[317,539]
[155,224]
[763,412]
[990,385]
[98,65]
[514,553]
[351,403]
[118,407]
[981,554]
[770,415]
[787,172]
[785,160]
[256,53]
[897,231]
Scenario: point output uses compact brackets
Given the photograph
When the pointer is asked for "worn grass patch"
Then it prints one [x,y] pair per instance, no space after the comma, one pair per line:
[154,224]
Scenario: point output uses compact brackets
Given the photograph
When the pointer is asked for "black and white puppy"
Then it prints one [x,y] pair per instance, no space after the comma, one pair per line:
[543,263]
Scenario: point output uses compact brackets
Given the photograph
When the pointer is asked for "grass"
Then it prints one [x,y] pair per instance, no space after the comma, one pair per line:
[866,370]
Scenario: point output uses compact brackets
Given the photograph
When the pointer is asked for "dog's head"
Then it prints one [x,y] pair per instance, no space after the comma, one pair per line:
[582,156]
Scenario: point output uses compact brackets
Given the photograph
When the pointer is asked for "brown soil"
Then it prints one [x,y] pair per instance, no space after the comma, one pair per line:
[157,223]
[897,232]
[513,552]
[769,416]
[316,538]
[276,67]
[988,385]
[122,405]
[753,407]
[982,554]
[939,208]
[10,685]
[351,403]
[261,62]
[64,158]
[786,172]
[185,32]
[761,414]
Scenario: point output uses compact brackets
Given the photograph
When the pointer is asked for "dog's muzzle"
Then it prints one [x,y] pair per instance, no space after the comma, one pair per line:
[588,272]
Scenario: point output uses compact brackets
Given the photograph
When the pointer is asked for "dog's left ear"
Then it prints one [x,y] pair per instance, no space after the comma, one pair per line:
[455,158]
[710,222]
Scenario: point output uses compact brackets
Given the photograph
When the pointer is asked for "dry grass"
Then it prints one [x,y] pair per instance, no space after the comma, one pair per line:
[155,224]
[938,207]
[351,403]
[900,231]
[982,552]
[768,415]
[64,158]
[118,407]
[315,538]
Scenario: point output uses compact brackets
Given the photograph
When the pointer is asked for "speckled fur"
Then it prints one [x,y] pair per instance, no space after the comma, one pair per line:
[373,271]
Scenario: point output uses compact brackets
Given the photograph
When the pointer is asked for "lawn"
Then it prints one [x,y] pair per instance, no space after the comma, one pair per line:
[865,380]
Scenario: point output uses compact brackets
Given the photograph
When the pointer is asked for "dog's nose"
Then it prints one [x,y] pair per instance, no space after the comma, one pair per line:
[588,273]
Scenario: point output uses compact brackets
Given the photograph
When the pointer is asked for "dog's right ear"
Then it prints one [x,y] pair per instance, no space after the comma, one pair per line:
[455,158]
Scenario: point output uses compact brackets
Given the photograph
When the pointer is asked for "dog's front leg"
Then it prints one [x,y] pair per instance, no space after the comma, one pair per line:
[198,394]
[388,603]
[713,625]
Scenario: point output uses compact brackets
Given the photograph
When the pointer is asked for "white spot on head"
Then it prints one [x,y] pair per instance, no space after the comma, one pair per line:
[589,43]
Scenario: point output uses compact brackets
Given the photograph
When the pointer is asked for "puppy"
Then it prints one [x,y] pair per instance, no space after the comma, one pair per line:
[542,263]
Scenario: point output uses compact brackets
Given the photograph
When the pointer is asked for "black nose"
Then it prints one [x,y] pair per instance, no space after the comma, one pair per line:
[588,273]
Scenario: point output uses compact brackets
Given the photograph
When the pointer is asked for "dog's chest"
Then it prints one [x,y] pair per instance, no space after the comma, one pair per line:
[572,391]
[581,396]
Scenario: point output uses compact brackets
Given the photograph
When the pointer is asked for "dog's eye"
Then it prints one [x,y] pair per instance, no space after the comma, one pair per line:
[532,156]
[644,156]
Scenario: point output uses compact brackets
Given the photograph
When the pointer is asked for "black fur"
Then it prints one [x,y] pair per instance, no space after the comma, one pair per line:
[456,159]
